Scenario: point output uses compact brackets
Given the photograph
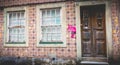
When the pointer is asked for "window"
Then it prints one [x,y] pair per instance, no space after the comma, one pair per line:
[16,27]
[15,33]
[51,25]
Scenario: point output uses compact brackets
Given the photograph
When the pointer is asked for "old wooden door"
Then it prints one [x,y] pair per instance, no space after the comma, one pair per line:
[93,31]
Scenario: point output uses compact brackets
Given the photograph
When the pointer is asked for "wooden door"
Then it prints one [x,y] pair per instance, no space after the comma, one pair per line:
[93,31]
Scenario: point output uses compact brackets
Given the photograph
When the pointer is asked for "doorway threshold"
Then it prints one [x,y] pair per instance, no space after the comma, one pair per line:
[94,62]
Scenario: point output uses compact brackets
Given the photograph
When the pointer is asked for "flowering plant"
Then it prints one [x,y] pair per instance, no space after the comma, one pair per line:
[72,29]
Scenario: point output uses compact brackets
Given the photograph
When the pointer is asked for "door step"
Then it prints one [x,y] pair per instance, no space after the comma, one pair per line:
[93,63]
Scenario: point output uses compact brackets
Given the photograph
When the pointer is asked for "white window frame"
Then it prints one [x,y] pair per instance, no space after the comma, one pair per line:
[6,35]
[63,23]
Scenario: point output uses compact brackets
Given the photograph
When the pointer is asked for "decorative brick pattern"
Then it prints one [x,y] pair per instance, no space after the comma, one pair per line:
[116,28]
[32,50]
[65,52]
[25,2]
[1,31]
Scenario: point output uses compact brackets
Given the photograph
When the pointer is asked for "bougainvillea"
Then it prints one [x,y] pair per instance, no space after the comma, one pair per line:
[72,29]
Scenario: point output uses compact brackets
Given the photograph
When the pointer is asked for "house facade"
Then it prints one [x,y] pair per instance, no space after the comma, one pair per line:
[67,29]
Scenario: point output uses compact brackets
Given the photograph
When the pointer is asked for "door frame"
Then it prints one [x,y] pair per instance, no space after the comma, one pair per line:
[108,25]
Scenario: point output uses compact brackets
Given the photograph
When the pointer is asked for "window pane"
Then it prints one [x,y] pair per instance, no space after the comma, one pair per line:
[18,15]
[48,13]
[58,29]
[44,37]
[57,20]
[10,15]
[57,12]
[22,21]
[48,21]
[14,15]
[15,22]
[52,21]
[54,37]
[44,13]
[53,13]
[22,15]
[44,29]
[49,29]
[49,37]
[10,24]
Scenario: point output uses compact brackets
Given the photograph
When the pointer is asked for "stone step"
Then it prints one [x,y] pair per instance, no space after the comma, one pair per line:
[93,63]
[95,59]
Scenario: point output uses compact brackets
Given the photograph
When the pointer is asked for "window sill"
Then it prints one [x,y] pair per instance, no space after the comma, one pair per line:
[50,42]
[15,42]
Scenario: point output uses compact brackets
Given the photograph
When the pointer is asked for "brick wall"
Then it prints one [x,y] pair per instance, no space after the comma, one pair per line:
[1,30]
[70,50]
[32,50]
[25,2]
[116,29]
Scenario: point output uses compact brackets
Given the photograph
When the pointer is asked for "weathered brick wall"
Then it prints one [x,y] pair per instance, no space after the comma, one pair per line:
[32,50]
[25,2]
[116,28]
[1,30]
[70,50]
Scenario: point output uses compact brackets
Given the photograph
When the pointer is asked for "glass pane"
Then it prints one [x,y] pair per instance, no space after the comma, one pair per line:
[48,13]
[48,21]
[43,13]
[44,29]
[12,38]
[14,15]
[22,21]
[18,15]
[57,20]
[10,22]
[14,23]
[57,12]
[15,31]
[53,13]
[22,15]
[52,21]
[49,37]
[59,29]
[20,30]
[10,31]
[49,29]
[10,16]
[53,29]
[16,38]
[54,37]
[44,37]
[58,37]
[43,21]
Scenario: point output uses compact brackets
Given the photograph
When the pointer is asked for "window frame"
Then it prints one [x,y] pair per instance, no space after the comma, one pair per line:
[6,20]
[63,24]
[51,41]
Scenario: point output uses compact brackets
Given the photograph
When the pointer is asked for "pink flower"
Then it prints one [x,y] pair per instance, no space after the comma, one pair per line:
[72,29]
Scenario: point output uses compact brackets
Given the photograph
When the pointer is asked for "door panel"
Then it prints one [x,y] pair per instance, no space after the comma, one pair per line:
[93,34]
